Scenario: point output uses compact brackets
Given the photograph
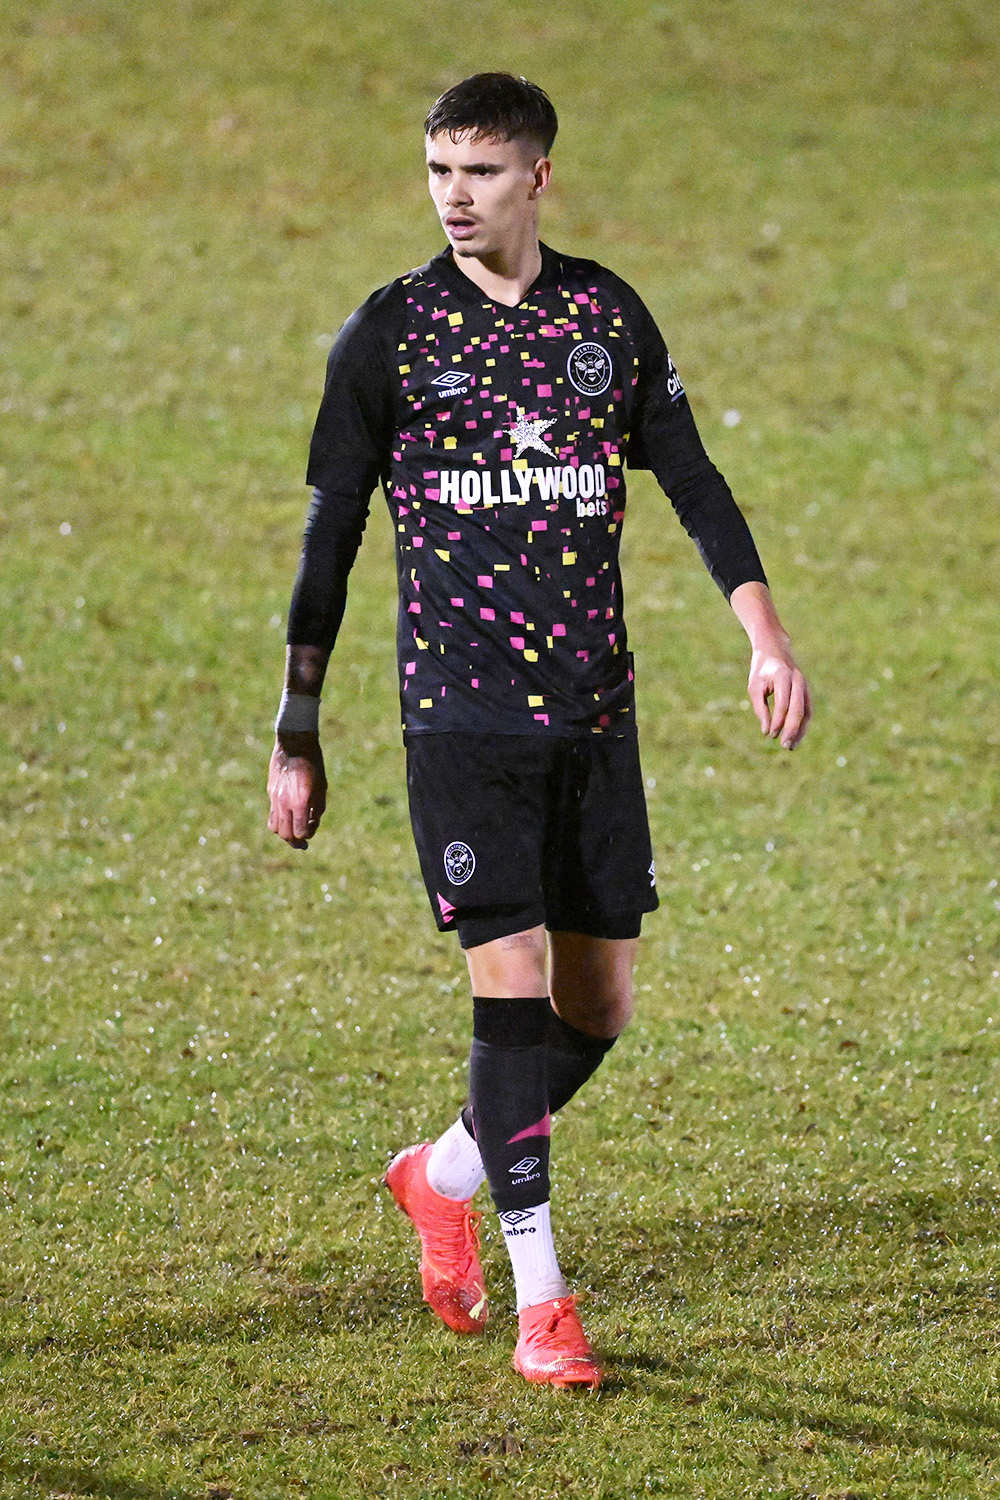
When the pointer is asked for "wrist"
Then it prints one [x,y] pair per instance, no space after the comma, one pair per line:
[770,640]
[295,743]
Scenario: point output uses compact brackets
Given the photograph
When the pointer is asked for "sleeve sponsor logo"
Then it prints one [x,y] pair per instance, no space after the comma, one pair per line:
[674,388]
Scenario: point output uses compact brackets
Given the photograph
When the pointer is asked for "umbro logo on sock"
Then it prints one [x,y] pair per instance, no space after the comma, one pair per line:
[511,1219]
[524,1166]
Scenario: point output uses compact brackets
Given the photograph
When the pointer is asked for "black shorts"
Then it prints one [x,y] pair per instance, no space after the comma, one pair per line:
[520,829]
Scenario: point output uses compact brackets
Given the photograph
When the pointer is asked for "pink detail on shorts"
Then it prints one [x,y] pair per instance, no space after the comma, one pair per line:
[447,910]
[541,1127]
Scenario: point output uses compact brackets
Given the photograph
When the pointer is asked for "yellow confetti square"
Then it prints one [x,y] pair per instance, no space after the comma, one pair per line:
[455,319]
[568,558]
[535,700]
[442,554]
[427,703]
[531,656]
[451,442]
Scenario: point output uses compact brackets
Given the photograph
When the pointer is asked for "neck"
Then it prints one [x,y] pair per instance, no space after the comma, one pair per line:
[504,275]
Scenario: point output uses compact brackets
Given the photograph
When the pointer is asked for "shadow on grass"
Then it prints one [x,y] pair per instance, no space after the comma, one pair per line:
[904,1424]
[55,1478]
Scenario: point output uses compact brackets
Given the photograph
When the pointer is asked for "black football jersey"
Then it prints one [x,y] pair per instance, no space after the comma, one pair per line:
[501,436]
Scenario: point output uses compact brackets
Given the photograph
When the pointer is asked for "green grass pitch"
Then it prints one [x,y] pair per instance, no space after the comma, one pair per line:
[781,1194]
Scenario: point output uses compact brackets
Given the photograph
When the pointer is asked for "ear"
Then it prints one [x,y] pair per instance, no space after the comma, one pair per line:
[542,174]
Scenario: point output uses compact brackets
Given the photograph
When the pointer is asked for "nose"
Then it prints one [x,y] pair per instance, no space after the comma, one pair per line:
[457,194]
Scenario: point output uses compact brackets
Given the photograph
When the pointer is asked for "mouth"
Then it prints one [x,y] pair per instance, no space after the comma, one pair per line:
[460,226]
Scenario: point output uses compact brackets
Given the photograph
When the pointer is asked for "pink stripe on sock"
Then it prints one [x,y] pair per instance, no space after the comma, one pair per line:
[543,1127]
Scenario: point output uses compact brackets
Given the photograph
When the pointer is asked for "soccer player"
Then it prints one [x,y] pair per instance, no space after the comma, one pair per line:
[498,393]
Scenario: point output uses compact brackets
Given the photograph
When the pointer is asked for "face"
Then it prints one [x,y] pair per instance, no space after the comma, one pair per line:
[485,191]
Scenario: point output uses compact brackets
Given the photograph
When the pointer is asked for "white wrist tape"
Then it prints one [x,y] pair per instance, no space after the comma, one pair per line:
[298,713]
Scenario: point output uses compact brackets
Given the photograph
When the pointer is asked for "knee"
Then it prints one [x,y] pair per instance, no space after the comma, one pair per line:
[603,1014]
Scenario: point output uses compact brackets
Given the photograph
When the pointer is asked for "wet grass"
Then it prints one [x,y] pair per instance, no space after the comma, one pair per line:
[781,1194]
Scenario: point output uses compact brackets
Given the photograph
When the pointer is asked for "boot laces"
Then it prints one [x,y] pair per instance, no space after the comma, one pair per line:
[442,1240]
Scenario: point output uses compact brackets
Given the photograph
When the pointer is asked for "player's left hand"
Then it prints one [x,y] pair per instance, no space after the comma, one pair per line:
[780,695]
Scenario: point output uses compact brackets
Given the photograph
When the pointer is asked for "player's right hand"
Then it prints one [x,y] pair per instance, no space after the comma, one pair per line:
[296,786]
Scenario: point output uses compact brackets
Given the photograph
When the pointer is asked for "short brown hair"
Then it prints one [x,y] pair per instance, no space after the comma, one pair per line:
[497,105]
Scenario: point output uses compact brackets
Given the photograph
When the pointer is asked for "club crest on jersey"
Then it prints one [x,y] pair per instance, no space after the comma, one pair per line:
[589,368]
[459,863]
[453,382]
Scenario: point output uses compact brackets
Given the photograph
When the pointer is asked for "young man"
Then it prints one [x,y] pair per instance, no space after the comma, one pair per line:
[497,393]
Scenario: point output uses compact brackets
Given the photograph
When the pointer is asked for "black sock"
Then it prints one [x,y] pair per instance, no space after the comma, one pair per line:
[573,1055]
[508,1094]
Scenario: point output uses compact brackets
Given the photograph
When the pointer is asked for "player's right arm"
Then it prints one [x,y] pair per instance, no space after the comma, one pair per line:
[348,454]
[296,777]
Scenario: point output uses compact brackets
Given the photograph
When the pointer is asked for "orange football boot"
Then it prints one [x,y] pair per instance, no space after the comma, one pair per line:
[552,1348]
[450,1273]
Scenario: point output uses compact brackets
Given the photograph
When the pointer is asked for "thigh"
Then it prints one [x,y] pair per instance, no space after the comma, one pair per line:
[590,981]
[477,806]
[599,877]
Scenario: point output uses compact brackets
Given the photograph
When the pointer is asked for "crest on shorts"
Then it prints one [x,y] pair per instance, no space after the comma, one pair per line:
[459,863]
[589,368]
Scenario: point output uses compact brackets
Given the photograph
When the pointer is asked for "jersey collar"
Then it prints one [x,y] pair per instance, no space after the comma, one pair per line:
[443,267]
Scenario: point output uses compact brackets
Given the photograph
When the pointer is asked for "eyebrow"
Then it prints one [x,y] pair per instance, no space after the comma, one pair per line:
[469,166]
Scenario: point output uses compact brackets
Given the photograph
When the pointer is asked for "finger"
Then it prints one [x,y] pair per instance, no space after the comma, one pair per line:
[782,688]
[301,818]
[806,714]
[794,725]
[758,697]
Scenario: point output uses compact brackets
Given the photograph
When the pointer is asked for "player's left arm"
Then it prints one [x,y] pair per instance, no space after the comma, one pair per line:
[666,440]
[777,689]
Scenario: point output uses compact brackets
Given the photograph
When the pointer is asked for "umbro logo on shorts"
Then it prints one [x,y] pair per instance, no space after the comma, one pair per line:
[453,382]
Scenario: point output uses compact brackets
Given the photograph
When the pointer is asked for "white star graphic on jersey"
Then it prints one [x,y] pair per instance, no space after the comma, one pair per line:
[528,434]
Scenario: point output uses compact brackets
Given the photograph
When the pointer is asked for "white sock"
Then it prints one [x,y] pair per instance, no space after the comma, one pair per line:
[527,1233]
[455,1167]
